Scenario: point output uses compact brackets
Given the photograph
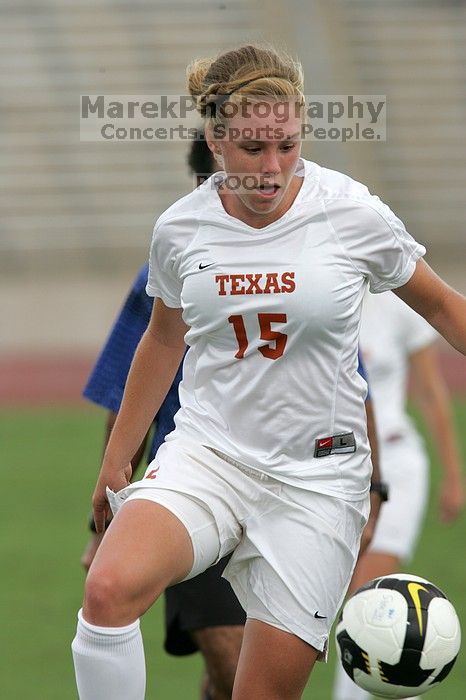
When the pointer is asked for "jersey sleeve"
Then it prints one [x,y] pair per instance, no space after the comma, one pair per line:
[163,281]
[107,380]
[375,241]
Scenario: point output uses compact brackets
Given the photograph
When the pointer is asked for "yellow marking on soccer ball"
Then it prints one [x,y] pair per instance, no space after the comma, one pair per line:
[382,675]
[413,589]
[366,661]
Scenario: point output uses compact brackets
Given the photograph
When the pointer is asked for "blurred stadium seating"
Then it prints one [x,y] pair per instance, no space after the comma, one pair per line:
[66,196]
[77,217]
[415,53]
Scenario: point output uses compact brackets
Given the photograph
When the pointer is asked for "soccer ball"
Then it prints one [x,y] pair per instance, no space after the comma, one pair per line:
[398,636]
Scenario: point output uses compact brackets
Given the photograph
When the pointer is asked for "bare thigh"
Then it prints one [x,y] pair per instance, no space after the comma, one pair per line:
[273,664]
[372,565]
[220,646]
[145,549]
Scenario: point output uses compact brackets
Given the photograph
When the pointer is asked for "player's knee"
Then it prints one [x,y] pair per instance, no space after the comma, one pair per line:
[104,598]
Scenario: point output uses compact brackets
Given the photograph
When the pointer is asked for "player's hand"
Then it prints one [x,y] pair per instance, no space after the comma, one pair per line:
[451,500]
[91,549]
[116,479]
[368,532]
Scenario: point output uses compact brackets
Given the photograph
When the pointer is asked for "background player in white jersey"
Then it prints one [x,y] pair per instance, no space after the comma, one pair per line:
[396,343]
[269,458]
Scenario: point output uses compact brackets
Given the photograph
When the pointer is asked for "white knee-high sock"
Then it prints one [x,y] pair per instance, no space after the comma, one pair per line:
[345,689]
[109,662]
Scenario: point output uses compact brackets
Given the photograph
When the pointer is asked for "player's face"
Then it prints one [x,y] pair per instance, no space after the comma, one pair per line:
[260,155]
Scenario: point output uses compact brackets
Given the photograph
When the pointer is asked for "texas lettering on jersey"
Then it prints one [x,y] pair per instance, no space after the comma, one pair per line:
[256,283]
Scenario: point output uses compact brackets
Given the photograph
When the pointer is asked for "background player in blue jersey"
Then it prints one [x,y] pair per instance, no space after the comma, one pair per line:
[201,614]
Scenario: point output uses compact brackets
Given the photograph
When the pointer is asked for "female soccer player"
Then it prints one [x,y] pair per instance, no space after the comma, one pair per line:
[262,272]
[395,341]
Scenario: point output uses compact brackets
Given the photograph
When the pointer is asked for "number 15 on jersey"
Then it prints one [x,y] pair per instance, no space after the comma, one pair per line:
[272,350]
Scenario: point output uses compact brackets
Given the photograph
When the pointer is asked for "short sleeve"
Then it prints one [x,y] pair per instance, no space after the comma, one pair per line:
[375,241]
[163,281]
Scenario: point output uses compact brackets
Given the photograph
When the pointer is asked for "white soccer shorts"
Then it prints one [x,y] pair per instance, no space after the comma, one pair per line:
[404,466]
[294,550]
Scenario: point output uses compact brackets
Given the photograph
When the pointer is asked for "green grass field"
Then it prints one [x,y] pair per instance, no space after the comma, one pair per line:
[49,464]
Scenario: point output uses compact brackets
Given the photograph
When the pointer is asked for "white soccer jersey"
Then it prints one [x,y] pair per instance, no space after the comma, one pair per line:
[390,333]
[274,319]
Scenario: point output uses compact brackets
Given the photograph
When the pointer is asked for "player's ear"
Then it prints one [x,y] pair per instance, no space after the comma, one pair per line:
[214,145]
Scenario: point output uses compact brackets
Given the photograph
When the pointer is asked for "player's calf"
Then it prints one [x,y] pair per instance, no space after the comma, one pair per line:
[220,647]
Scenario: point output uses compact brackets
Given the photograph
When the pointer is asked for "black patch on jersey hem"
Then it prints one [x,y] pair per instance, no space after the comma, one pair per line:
[344,443]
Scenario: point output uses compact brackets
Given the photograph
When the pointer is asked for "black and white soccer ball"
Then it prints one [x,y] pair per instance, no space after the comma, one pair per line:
[398,636]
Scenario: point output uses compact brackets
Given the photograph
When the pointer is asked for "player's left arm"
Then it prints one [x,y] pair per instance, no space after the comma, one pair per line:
[432,395]
[442,306]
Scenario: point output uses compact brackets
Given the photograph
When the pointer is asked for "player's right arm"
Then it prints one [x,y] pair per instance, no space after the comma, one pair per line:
[137,459]
[96,537]
[153,369]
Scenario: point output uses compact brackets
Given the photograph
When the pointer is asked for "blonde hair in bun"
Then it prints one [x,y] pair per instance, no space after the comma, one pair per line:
[249,71]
